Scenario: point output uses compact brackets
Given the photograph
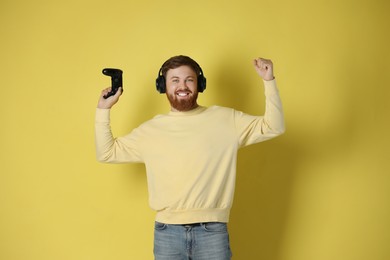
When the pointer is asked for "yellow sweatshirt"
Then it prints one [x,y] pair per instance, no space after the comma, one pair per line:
[190,157]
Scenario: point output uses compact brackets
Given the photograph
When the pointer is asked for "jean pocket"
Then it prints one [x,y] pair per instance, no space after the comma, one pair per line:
[215,227]
[159,226]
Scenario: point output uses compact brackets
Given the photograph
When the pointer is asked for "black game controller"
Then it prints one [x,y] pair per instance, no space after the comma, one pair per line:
[116,80]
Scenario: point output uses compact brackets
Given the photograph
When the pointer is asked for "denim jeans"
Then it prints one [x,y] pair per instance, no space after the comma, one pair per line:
[203,241]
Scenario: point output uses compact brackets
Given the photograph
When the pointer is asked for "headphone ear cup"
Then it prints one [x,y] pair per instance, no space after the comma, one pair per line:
[201,83]
[160,84]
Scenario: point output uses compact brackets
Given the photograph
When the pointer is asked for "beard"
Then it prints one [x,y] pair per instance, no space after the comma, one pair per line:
[183,105]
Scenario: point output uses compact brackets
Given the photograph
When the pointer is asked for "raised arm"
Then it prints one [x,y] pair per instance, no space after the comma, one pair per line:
[273,121]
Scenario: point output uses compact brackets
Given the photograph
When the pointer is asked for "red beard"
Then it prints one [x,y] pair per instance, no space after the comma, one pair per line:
[183,104]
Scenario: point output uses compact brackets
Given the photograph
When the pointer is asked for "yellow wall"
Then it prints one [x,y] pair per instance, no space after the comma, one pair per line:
[319,192]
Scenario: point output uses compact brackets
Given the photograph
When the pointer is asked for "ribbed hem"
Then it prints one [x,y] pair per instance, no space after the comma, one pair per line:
[193,216]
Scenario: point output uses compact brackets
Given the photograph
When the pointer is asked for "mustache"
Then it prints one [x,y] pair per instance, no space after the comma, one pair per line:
[183,90]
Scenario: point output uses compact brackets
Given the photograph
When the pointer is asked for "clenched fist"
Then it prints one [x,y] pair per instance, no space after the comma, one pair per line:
[264,68]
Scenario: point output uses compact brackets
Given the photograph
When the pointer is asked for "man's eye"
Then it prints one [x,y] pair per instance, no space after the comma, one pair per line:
[175,80]
[190,80]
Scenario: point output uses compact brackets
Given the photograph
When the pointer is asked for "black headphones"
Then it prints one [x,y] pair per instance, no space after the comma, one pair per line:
[160,81]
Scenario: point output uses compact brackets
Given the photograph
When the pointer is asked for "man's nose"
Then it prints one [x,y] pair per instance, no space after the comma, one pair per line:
[183,84]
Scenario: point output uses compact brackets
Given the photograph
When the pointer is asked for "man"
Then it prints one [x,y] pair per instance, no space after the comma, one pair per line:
[190,157]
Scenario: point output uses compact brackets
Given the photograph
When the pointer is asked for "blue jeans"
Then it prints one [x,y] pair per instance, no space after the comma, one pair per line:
[202,241]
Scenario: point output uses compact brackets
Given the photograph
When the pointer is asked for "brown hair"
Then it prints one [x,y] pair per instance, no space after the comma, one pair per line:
[177,61]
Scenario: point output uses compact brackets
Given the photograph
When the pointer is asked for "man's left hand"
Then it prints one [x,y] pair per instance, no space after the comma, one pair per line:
[264,68]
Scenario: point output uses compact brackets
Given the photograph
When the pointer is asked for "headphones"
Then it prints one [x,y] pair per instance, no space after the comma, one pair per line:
[160,81]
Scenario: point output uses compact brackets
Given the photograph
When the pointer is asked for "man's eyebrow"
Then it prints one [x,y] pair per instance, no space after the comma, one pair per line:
[176,77]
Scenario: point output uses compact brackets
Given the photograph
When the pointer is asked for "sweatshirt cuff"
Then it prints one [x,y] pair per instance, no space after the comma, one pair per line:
[270,86]
[102,115]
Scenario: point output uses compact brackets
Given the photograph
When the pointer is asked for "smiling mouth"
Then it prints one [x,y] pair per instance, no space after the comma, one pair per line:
[182,94]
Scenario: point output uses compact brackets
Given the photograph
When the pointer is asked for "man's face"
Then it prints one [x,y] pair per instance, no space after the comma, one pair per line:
[182,88]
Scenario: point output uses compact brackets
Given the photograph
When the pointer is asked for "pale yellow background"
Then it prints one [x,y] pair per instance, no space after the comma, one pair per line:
[319,192]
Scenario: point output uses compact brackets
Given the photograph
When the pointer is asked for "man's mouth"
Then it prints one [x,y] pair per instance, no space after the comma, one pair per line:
[182,93]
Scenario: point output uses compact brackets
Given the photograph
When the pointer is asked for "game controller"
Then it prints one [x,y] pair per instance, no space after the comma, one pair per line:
[116,80]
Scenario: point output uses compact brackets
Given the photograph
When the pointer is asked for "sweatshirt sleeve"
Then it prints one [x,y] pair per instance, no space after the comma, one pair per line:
[110,149]
[254,129]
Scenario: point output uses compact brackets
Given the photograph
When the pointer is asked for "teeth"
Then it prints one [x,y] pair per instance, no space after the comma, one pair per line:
[182,94]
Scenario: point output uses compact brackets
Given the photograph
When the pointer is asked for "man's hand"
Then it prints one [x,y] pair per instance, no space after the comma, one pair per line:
[107,103]
[264,68]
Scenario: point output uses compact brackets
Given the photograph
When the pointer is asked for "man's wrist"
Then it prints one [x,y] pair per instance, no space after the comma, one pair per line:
[269,79]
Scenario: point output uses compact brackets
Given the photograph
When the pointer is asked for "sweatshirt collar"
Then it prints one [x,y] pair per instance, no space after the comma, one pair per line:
[195,111]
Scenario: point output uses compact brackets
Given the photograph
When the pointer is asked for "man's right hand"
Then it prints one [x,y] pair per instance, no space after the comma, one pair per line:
[107,103]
